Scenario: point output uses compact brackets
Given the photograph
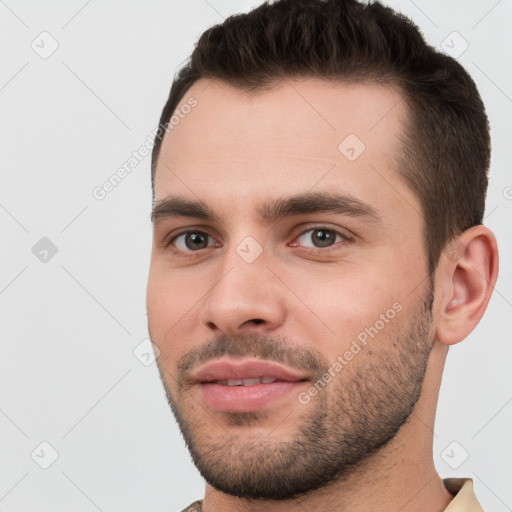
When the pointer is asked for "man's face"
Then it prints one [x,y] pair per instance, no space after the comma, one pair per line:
[293,338]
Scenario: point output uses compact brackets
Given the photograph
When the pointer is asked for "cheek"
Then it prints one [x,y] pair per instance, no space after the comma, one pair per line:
[174,301]
[171,292]
[157,301]
[170,306]
[345,303]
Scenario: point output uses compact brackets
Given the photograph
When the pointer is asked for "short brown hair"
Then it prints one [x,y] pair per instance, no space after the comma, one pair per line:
[445,145]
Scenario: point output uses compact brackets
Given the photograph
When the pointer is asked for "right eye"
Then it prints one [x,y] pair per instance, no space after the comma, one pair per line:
[191,241]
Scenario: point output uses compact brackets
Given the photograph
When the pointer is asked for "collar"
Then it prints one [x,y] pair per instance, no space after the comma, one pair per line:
[464,496]
[464,499]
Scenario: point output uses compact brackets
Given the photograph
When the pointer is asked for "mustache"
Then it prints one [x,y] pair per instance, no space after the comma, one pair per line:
[275,349]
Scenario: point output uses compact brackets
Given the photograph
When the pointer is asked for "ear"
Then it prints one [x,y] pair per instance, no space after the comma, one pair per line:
[465,279]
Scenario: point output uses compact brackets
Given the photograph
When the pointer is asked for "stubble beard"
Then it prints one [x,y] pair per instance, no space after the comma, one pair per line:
[348,421]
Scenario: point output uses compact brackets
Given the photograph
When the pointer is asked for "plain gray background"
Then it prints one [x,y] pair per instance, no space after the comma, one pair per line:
[71,321]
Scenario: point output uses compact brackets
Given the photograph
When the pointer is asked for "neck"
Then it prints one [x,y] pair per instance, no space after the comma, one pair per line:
[400,476]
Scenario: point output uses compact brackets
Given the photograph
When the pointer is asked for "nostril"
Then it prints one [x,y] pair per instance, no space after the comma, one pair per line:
[257,321]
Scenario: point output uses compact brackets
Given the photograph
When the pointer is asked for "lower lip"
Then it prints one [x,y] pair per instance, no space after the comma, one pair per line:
[246,398]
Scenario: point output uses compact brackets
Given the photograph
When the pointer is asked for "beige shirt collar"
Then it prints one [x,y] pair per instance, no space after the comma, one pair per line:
[461,488]
[464,497]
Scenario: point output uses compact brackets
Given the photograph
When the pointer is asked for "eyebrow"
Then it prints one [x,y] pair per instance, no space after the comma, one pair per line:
[276,209]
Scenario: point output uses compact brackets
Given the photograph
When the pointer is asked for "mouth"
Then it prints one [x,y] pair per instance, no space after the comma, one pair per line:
[246,384]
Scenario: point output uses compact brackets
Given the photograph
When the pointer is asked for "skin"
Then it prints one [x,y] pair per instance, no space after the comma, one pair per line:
[235,151]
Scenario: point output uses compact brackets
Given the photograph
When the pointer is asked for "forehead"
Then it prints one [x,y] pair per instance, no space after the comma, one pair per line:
[297,136]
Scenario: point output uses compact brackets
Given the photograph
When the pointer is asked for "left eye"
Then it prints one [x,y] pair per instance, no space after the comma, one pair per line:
[192,241]
[320,237]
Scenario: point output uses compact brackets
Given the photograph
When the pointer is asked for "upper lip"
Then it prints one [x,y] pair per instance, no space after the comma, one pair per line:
[246,368]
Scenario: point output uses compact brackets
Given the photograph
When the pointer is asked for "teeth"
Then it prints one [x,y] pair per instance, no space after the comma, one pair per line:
[251,382]
[246,382]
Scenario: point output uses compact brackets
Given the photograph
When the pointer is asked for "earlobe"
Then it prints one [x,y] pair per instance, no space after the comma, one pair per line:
[467,274]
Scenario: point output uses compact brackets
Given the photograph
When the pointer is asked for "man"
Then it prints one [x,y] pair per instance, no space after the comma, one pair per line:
[319,187]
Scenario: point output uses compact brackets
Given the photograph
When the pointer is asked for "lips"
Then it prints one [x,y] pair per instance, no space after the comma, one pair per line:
[246,384]
[245,369]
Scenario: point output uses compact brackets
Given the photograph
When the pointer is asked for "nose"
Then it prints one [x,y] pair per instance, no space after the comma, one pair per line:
[245,297]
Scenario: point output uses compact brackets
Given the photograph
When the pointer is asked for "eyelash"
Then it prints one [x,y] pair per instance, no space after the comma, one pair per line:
[189,253]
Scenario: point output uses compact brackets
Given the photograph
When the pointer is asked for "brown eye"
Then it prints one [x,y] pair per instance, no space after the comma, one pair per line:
[191,241]
[320,237]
